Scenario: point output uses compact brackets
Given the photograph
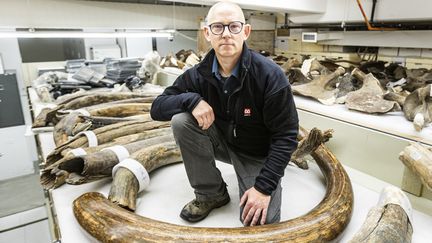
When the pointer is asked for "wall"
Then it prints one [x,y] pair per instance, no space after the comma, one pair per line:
[42,50]
[347,11]
[338,11]
[16,163]
[406,39]
[138,47]
[89,42]
[311,6]
[93,16]
[165,46]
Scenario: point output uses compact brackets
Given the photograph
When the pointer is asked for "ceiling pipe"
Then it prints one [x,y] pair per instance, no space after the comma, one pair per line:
[373,11]
[369,26]
[360,26]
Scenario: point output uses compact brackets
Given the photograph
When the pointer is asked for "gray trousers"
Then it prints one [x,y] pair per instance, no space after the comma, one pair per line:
[199,150]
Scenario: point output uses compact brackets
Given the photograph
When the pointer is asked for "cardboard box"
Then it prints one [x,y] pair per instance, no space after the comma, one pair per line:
[311,47]
[262,40]
[294,44]
[342,49]
[262,21]
[409,52]
[427,53]
[282,32]
[282,43]
[167,76]
[419,63]
[388,59]
[387,51]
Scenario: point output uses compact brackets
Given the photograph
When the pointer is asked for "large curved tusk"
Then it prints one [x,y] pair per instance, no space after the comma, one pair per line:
[104,135]
[109,223]
[389,221]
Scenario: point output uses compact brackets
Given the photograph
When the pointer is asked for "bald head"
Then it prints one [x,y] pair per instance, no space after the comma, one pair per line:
[224,8]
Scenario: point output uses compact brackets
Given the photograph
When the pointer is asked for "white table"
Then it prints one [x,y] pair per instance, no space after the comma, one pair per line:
[164,198]
[393,123]
[169,190]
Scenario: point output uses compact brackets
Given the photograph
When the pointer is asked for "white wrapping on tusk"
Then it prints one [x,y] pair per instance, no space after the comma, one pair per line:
[394,195]
[137,169]
[120,151]
[91,137]
[78,152]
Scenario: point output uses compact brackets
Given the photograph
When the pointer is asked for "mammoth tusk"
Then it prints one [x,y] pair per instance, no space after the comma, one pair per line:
[104,135]
[85,99]
[314,139]
[389,221]
[94,99]
[124,188]
[109,223]
[418,159]
[53,177]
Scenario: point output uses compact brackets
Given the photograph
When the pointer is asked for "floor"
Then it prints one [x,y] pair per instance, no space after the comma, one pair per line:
[20,194]
[23,217]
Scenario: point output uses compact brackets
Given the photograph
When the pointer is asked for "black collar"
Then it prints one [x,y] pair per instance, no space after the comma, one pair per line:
[205,67]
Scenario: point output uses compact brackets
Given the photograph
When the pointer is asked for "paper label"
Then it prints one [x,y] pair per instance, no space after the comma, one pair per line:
[120,151]
[137,169]
[415,155]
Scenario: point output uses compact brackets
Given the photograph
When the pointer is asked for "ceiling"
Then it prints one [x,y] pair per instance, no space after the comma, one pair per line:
[156,2]
[287,6]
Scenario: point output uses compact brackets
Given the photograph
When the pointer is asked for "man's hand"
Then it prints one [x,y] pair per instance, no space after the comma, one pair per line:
[204,115]
[255,204]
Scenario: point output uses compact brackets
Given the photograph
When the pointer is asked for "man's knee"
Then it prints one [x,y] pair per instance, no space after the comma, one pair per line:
[181,121]
[274,208]
[274,217]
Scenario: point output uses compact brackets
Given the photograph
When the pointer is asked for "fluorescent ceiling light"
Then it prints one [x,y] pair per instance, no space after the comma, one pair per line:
[75,34]
[288,6]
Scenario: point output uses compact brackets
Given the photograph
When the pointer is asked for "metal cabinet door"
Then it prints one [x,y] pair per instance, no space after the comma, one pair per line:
[11,113]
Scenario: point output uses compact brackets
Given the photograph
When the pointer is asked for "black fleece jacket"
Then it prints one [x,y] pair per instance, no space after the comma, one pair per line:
[259,119]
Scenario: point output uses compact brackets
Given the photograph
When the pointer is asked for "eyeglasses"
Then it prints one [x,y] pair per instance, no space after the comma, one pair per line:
[233,27]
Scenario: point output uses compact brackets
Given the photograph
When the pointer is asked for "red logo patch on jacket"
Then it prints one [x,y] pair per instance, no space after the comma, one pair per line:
[247,112]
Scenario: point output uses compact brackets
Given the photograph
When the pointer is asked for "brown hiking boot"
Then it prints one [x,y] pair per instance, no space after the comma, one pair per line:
[196,210]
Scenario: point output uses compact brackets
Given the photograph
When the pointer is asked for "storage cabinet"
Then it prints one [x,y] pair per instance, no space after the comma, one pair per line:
[11,113]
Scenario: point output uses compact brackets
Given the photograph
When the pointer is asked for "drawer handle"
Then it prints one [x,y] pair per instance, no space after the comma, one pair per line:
[1,87]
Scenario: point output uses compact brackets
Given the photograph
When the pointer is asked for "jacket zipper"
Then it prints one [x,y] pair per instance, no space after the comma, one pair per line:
[228,102]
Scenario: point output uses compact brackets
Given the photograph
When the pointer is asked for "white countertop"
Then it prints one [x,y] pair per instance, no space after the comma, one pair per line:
[393,123]
[164,198]
[302,190]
